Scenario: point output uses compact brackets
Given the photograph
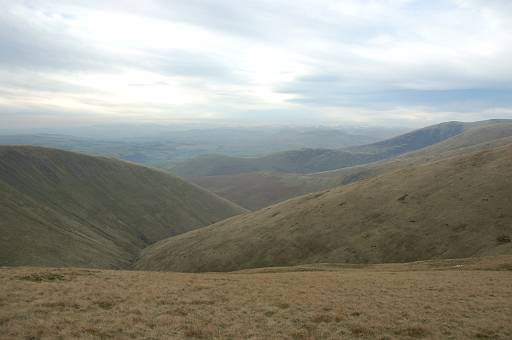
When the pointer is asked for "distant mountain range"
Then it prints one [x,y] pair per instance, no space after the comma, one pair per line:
[313,160]
[165,148]
[258,189]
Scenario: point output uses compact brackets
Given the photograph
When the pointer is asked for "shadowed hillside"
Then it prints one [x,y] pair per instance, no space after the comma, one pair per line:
[258,189]
[456,207]
[313,160]
[60,208]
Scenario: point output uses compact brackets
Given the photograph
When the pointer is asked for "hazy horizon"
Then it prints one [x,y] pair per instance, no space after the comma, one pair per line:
[402,63]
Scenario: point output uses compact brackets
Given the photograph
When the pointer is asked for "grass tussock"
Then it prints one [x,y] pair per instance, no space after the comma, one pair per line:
[417,301]
[43,277]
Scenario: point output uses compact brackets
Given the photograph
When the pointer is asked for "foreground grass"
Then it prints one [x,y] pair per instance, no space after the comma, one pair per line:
[449,300]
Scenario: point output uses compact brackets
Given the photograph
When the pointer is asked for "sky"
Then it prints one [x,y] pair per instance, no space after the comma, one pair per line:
[385,62]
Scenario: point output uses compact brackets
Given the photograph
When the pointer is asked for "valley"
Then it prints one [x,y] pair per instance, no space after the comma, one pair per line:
[454,207]
[416,244]
[61,208]
[95,211]
[254,190]
[231,170]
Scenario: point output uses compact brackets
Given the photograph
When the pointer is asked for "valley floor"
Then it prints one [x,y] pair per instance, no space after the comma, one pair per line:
[470,298]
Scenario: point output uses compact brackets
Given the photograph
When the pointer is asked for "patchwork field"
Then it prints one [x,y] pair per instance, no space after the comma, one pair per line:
[452,299]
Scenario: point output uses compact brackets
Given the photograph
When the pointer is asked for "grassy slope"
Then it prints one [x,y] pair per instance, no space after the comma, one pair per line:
[463,299]
[257,189]
[456,207]
[61,208]
[314,160]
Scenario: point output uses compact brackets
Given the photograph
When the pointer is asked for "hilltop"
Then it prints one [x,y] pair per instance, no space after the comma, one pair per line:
[455,207]
[61,208]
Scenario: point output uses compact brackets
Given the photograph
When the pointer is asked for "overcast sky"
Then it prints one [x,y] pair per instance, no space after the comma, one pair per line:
[396,62]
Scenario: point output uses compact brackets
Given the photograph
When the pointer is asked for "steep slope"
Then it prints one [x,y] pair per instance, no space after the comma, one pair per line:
[414,140]
[456,207]
[313,160]
[256,190]
[60,208]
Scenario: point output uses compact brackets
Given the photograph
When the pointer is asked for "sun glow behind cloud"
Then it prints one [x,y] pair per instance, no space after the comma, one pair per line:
[325,61]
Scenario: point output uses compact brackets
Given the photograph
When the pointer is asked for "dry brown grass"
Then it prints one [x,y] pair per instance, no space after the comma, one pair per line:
[422,300]
[452,208]
[255,190]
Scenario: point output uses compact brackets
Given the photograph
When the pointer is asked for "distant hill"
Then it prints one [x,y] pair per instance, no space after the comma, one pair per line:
[254,190]
[61,208]
[475,138]
[455,207]
[163,147]
[313,160]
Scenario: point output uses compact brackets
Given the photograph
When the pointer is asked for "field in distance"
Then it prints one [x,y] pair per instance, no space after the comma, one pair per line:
[450,299]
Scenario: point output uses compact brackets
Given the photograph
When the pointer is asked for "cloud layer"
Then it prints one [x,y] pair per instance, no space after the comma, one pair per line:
[401,61]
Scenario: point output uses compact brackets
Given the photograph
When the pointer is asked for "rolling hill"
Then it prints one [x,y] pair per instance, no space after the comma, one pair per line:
[305,161]
[60,208]
[455,207]
[163,146]
[255,190]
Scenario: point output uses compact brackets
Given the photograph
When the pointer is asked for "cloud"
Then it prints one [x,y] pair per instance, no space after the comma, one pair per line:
[41,43]
[187,64]
[329,90]
[258,60]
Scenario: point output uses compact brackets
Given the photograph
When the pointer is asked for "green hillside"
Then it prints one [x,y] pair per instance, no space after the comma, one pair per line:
[60,208]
